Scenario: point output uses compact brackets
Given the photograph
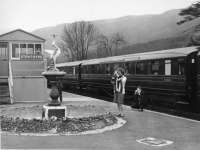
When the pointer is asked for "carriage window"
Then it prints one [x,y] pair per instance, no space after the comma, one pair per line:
[88,69]
[102,68]
[92,69]
[157,67]
[148,63]
[141,68]
[181,67]
[77,71]
[121,65]
[167,67]
[199,63]
[61,68]
[83,69]
[107,69]
[131,68]
[126,66]
[111,68]
[178,66]
[116,65]
[68,70]
[74,70]
[97,69]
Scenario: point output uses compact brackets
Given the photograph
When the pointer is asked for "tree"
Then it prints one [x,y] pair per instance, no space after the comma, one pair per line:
[109,46]
[117,40]
[104,46]
[189,14]
[78,37]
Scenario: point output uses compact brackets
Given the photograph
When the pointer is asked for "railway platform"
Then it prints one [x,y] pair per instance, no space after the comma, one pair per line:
[147,130]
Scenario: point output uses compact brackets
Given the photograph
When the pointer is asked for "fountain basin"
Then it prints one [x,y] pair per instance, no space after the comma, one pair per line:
[54,107]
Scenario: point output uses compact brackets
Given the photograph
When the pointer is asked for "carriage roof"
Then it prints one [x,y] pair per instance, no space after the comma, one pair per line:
[161,54]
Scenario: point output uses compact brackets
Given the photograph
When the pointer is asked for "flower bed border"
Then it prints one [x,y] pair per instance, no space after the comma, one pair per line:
[52,131]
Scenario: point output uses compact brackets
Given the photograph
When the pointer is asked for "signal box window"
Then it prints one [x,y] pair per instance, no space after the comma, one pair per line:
[38,49]
[3,49]
[15,51]
[23,49]
[30,49]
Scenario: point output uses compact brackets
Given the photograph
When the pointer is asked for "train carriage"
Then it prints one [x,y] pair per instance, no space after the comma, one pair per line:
[198,80]
[166,76]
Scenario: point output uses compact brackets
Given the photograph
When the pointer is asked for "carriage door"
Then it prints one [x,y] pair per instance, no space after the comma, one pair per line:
[191,79]
[4,59]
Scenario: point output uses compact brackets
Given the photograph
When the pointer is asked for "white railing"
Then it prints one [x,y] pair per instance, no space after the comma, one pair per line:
[10,83]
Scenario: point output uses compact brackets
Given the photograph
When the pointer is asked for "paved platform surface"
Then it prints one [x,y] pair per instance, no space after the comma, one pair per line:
[184,133]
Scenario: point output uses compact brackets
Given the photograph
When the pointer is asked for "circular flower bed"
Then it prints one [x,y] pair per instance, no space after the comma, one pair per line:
[69,125]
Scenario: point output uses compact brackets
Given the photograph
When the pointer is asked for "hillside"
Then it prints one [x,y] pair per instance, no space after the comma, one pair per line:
[147,32]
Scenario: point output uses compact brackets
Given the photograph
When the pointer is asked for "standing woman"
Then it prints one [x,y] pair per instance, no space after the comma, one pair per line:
[120,88]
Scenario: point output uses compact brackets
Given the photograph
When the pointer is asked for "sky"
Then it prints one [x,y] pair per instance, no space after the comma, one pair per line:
[33,14]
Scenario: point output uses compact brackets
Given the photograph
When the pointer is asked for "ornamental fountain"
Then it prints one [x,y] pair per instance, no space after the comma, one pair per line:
[54,76]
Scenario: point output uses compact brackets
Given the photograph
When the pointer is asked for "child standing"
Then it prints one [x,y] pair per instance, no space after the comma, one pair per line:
[139,97]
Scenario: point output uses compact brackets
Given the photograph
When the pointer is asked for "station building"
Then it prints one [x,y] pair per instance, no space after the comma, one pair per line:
[21,65]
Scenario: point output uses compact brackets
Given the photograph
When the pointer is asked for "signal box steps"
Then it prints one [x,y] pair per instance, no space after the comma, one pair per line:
[3,80]
[4,91]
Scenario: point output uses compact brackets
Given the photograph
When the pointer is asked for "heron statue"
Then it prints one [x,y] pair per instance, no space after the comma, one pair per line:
[56,52]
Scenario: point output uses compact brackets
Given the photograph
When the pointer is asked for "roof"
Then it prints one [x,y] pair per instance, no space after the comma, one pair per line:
[73,63]
[19,34]
[162,54]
